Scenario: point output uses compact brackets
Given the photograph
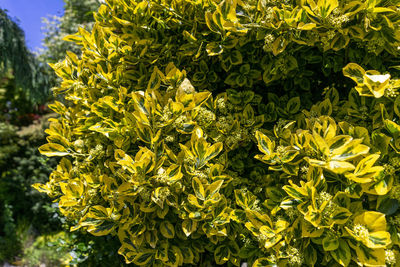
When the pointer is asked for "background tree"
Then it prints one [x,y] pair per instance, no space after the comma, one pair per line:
[77,13]
[29,73]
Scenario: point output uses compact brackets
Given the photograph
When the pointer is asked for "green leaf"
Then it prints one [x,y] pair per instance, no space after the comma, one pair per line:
[295,192]
[342,254]
[330,243]
[235,57]
[231,79]
[102,229]
[144,132]
[396,106]
[293,105]
[244,69]
[221,254]
[392,127]
[162,251]
[340,215]
[187,254]
[244,199]
[98,212]
[339,42]
[370,257]
[211,24]
[167,229]
[325,107]
[310,255]
[248,113]
[174,173]
[241,80]
[388,206]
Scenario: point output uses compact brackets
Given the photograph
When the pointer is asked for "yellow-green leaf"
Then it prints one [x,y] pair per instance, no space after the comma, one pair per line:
[144,258]
[354,72]
[264,262]
[167,229]
[330,243]
[221,254]
[198,188]
[265,145]
[342,254]
[103,229]
[339,167]
[155,80]
[189,226]
[53,150]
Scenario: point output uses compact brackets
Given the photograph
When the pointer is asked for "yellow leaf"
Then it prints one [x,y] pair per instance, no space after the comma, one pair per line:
[321,143]
[174,173]
[198,188]
[375,221]
[265,145]
[339,167]
[371,257]
[155,80]
[53,150]
[103,229]
[326,7]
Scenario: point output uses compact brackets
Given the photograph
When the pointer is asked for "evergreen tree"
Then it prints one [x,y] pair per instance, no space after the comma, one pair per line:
[77,13]
[30,74]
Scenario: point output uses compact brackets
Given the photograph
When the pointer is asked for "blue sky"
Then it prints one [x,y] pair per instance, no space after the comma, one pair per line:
[29,13]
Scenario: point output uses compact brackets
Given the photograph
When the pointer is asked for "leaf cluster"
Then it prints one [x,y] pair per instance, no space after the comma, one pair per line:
[264,132]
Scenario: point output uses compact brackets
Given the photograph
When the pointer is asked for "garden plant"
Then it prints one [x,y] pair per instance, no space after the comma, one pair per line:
[208,132]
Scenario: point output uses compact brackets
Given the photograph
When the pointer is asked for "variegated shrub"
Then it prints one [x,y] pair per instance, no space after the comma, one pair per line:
[211,132]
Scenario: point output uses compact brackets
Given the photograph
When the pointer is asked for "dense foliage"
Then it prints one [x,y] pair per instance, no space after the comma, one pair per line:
[220,132]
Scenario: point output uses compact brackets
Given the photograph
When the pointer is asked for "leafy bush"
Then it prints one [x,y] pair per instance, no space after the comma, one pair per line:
[221,132]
